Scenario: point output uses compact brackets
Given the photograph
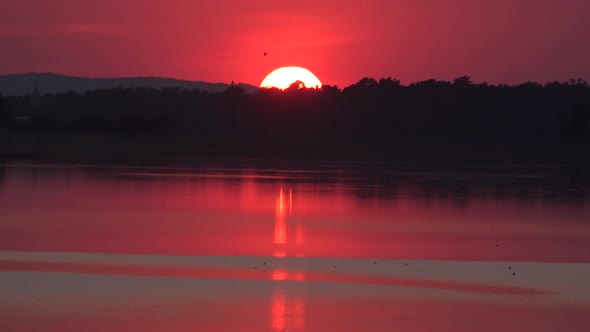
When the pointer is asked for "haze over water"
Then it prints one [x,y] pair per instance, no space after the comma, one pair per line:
[293,247]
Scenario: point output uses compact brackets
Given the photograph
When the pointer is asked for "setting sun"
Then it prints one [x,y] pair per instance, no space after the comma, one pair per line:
[283,77]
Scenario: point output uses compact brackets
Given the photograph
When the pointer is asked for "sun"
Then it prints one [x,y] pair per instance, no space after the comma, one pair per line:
[283,77]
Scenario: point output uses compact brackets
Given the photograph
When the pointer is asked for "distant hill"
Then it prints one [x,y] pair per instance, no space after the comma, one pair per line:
[22,84]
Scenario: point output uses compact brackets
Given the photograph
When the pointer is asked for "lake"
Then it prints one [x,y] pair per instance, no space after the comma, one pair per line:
[254,245]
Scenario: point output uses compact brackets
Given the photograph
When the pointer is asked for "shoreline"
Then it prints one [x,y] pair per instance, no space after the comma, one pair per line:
[163,149]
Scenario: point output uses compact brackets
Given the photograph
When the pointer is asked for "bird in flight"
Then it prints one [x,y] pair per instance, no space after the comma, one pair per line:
[265,53]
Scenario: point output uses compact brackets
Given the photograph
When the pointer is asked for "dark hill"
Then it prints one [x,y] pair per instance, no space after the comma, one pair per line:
[22,84]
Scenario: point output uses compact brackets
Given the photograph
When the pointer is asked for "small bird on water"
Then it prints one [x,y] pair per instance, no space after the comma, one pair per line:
[265,53]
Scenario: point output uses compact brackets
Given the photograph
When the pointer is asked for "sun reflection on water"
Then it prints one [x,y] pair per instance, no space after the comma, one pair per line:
[287,310]
[278,311]
[279,275]
[284,224]
[280,235]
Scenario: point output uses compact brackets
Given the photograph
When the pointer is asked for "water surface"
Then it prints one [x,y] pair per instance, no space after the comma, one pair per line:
[277,246]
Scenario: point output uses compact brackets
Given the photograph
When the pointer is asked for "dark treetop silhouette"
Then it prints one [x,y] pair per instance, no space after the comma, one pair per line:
[370,116]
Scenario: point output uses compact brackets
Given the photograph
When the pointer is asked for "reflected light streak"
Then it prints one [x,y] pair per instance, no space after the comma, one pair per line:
[299,314]
[299,276]
[280,253]
[279,275]
[278,311]
[280,236]
[281,222]
[287,313]
[290,202]
[299,234]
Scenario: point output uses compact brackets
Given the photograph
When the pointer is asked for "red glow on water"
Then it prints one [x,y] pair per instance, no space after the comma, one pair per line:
[284,224]
[266,216]
[279,275]
[280,225]
[278,312]
[245,218]
[276,275]
[287,311]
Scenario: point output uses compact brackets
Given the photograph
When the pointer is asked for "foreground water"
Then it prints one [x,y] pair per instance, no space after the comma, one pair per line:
[279,246]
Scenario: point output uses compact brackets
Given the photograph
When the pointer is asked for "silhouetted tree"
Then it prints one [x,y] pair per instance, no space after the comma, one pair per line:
[578,82]
[330,90]
[297,85]
[5,116]
[389,83]
[463,82]
[234,90]
[578,125]
[365,84]
[370,113]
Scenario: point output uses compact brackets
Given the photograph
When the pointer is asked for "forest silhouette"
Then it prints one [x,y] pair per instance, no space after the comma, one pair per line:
[369,115]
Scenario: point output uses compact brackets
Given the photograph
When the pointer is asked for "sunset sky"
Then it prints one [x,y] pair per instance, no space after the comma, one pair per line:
[497,41]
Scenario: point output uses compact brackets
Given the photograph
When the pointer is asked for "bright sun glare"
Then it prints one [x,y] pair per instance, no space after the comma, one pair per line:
[283,77]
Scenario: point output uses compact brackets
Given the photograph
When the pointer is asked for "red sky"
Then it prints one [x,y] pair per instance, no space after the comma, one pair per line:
[497,41]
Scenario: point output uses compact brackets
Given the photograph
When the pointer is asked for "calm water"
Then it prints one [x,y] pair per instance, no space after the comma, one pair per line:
[287,246]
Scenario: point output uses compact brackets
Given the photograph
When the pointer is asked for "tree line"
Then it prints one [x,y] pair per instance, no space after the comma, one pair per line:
[371,111]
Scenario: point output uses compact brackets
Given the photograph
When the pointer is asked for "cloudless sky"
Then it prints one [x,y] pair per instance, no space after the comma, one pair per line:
[497,41]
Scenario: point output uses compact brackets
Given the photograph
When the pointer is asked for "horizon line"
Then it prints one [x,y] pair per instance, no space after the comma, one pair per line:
[570,80]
